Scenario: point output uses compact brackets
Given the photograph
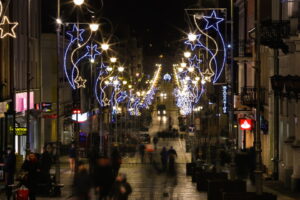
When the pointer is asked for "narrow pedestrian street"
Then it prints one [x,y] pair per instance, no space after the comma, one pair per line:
[149,182]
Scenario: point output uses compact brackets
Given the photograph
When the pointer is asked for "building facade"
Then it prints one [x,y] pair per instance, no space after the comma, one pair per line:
[20,76]
[280,111]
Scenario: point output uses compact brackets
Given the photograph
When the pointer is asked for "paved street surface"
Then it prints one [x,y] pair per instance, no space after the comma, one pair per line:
[147,179]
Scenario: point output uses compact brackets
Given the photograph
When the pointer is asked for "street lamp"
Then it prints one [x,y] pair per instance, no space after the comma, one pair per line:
[58,21]
[113,59]
[187,54]
[94,27]
[78,2]
[192,37]
[121,69]
[105,46]
[183,64]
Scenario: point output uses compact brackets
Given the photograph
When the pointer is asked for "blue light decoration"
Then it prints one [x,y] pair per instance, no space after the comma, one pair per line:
[108,89]
[99,83]
[225,99]
[167,77]
[74,54]
[209,40]
[188,91]
[133,104]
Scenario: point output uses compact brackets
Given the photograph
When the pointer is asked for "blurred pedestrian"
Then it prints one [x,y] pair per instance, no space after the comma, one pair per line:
[155,141]
[121,188]
[142,152]
[172,154]
[32,168]
[9,170]
[116,161]
[72,157]
[103,177]
[45,165]
[82,183]
[164,158]
[93,156]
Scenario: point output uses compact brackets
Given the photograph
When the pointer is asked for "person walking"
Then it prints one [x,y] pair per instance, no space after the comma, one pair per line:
[142,152]
[72,157]
[116,161]
[32,168]
[121,188]
[172,154]
[103,177]
[82,183]
[164,158]
[9,170]
[155,141]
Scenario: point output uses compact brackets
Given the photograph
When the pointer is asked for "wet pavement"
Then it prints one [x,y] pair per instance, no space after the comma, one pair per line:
[149,182]
[147,179]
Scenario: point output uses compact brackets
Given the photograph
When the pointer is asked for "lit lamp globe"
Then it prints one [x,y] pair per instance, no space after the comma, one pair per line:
[113,59]
[120,69]
[105,46]
[191,69]
[192,37]
[187,54]
[78,2]
[183,64]
[94,27]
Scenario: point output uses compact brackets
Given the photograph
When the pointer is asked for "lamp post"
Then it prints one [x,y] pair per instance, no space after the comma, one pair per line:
[58,30]
[28,78]
[231,98]
[257,139]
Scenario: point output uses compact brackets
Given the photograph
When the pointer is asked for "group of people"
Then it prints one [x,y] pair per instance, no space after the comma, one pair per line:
[103,180]
[35,169]
[168,158]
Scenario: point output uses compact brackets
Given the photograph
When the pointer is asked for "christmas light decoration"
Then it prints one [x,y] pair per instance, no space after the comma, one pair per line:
[74,54]
[212,23]
[7,28]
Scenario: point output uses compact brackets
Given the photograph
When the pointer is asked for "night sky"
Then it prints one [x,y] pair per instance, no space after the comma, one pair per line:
[156,23]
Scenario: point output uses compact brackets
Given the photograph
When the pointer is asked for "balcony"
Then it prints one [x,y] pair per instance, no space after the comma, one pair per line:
[249,96]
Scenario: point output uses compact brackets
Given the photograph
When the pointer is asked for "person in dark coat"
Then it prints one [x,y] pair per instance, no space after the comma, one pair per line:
[164,158]
[116,161]
[9,170]
[155,141]
[121,188]
[172,154]
[82,183]
[31,166]
[45,165]
[103,177]
[142,152]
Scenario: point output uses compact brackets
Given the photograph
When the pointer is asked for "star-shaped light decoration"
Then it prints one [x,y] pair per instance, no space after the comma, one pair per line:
[92,51]
[7,28]
[212,21]
[80,82]
[75,34]
[195,61]
[207,75]
[194,44]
